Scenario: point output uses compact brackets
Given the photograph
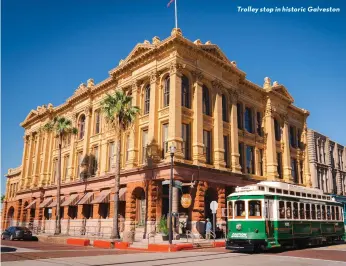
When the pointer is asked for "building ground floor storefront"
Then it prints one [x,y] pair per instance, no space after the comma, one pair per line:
[87,207]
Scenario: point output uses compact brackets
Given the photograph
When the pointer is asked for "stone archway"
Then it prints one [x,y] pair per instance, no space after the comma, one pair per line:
[10,216]
[209,196]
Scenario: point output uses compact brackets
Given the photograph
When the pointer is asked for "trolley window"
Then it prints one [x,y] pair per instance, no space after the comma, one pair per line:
[272,190]
[304,195]
[307,211]
[328,213]
[324,197]
[298,194]
[282,209]
[302,211]
[286,192]
[319,196]
[279,191]
[333,212]
[240,209]
[323,212]
[291,192]
[255,210]
[313,211]
[309,195]
[288,210]
[295,210]
[230,210]
[318,207]
[314,196]
[261,188]
[338,214]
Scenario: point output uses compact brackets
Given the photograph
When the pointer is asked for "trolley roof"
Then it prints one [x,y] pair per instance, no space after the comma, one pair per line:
[280,188]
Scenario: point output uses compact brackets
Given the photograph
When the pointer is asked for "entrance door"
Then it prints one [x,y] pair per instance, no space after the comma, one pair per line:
[268,206]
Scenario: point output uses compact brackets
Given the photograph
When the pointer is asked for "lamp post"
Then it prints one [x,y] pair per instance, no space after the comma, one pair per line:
[170,231]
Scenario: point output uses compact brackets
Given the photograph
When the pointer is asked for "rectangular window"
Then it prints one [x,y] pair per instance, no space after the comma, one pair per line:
[255,210]
[293,142]
[282,209]
[277,130]
[250,160]
[164,139]
[261,163]
[294,170]
[259,124]
[144,145]
[248,120]
[111,150]
[240,115]
[239,207]
[186,141]
[241,156]
[230,210]
[127,147]
[279,162]
[207,145]
[301,172]
[299,138]
[226,148]
[79,162]
[67,161]
[97,122]
[94,161]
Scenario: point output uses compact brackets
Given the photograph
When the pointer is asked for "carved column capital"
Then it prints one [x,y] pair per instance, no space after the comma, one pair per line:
[88,110]
[154,77]
[234,96]
[217,86]
[197,75]
[176,68]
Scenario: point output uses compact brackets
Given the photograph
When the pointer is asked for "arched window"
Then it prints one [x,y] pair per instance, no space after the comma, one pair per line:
[81,126]
[147,100]
[224,108]
[206,101]
[166,92]
[185,92]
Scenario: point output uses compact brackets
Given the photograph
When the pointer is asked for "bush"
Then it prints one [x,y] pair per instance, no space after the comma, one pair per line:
[163,229]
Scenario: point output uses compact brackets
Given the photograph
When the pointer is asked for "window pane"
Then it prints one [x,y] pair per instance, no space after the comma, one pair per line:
[255,209]
[282,209]
[240,209]
[185,92]
[230,210]
[288,210]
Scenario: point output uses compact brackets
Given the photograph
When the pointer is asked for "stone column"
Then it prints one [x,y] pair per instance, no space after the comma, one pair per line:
[70,175]
[286,156]
[272,172]
[306,163]
[152,205]
[86,140]
[174,127]
[133,147]
[153,117]
[36,172]
[236,168]
[219,150]
[50,158]
[29,164]
[24,161]
[197,125]
[45,142]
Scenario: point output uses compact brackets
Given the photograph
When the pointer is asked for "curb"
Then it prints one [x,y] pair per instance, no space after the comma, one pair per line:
[78,242]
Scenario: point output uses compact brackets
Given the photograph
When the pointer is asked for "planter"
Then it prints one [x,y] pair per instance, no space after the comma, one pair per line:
[165,237]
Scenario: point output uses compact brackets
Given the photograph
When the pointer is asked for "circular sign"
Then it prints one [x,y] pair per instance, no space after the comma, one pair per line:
[186,200]
[213,206]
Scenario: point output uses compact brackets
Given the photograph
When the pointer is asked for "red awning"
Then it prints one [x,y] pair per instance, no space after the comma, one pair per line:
[122,194]
[46,202]
[32,205]
[103,197]
[71,201]
[87,198]
[53,204]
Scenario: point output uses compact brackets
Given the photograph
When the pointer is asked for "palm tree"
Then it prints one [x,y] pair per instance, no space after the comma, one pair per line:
[121,114]
[61,127]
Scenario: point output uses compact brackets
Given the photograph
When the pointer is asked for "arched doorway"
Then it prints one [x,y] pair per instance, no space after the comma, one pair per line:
[25,213]
[10,215]
[139,197]
[210,195]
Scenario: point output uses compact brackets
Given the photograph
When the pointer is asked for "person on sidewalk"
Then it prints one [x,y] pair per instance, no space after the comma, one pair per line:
[208,229]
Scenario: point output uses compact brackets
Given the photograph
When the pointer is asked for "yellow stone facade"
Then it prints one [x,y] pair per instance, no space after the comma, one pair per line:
[215,117]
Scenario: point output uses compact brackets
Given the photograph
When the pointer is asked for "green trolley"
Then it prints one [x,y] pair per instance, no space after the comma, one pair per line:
[275,214]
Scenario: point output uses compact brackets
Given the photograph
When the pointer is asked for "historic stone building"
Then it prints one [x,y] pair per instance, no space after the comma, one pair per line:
[327,163]
[227,130]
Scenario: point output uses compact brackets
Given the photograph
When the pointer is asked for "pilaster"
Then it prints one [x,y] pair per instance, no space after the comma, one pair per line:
[219,150]
[174,128]
[197,127]
[286,158]
[70,175]
[29,163]
[36,172]
[236,168]
[86,140]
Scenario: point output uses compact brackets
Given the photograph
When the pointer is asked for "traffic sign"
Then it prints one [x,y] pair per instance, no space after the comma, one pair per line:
[213,206]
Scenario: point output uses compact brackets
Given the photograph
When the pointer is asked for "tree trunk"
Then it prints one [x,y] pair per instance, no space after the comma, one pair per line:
[58,221]
[115,232]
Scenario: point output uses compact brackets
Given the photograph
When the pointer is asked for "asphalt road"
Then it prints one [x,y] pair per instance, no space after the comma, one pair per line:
[36,254]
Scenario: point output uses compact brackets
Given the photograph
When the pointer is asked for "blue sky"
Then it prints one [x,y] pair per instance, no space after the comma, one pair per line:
[50,47]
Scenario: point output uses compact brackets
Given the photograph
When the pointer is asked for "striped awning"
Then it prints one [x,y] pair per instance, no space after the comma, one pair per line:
[103,197]
[46,202]
[32,205]
[87,198]
[53,204]
[122,194]
[71,201]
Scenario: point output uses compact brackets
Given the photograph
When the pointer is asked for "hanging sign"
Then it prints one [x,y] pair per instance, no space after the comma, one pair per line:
[186,200]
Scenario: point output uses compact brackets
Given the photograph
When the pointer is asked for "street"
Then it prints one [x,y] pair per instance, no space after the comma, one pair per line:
[37,253]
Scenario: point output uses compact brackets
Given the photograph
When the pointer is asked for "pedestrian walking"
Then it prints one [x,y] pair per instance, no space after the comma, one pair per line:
[208,229]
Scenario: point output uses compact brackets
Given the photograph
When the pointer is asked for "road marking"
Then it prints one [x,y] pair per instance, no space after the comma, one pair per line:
[294,257]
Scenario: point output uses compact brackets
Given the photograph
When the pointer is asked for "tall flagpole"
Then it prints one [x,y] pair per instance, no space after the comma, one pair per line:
[176,14]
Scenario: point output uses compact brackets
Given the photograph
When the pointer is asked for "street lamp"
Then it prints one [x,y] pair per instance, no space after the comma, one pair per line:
[172,150]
